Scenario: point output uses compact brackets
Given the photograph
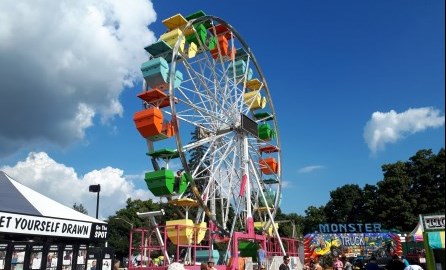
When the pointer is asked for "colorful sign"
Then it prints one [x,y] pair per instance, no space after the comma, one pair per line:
[351,244]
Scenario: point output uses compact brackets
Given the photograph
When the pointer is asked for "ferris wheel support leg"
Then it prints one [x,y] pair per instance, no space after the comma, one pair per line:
[276,232]
[246,174]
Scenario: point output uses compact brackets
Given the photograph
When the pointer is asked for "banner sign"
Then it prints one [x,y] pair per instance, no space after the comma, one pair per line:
[351,244]
[25,224]
[433,222]
[350,228]
[99,231]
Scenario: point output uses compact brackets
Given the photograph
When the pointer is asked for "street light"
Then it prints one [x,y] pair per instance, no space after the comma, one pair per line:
[97,189]
[126,221]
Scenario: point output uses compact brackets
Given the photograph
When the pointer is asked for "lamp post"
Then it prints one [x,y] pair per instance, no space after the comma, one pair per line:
[97,189]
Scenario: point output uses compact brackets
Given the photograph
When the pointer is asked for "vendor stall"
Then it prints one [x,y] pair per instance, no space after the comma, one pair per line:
[37,232]
[433,234]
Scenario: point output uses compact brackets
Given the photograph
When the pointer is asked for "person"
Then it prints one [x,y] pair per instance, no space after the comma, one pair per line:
[395,263]
[372,265]
[211,264]
[261,254]
[317,265]
[175,266]
[309,265]
[285,264]
[36,261]
[116,265]
[67,256]
[347,264]
[176,185]
[15,258]
[405,261]
[337,264]
[138,259]
[413,267]
[49,260]
[262,267]
[93,265]
[204,266]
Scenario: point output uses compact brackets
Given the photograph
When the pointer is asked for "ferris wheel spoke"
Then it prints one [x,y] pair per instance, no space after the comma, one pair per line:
[203,169]
[207,83]
[202,117]
[186,100]
[215,163]
[201,80]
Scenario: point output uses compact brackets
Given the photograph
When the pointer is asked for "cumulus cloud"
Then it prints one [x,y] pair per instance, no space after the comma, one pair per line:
[62,184]
[389,127]
[309,169]
[64,64]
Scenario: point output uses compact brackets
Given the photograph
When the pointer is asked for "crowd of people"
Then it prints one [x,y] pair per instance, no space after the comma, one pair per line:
[344,263]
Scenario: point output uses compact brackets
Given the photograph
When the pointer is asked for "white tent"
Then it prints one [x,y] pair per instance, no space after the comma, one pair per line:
[25,211]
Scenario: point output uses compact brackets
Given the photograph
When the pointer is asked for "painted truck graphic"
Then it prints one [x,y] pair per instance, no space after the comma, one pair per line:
[351,245]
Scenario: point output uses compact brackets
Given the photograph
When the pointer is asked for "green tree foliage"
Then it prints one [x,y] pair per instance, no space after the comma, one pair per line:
[313,217]
[119,230]
[80,208]
[394,201]
[428,186]
[292,227]
[345,204]
[411,188]
[408,189]
[370,204]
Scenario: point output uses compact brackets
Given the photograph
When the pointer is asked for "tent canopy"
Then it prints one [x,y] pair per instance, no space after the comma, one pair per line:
[25,211]
[417,234]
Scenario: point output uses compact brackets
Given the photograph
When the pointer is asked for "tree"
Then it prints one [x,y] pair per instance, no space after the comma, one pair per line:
[370,204]
[408,189]
[119,231]
[345,204]
[395,204]
[80,208]
[313,217]
[428,187]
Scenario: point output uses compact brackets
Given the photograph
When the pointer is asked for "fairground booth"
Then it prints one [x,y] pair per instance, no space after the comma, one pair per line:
[355,241]
[39,233]
[433,227]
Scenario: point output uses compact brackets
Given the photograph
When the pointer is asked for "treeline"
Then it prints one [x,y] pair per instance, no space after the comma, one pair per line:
[408,188]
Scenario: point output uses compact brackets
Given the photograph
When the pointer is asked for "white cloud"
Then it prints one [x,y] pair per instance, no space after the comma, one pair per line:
[62,184]
[286,184]
[389,127]
[309,169]
[64,63]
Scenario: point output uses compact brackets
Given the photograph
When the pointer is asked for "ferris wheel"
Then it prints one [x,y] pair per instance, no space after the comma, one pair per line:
[210,125]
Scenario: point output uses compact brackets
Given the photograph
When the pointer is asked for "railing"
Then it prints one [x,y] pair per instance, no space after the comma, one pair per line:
[290,245]
[144,242]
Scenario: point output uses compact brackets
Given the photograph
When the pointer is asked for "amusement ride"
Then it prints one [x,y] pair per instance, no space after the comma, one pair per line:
[213,144]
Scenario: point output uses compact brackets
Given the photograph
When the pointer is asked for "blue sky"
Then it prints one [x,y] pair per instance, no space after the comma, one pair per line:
[340,74]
